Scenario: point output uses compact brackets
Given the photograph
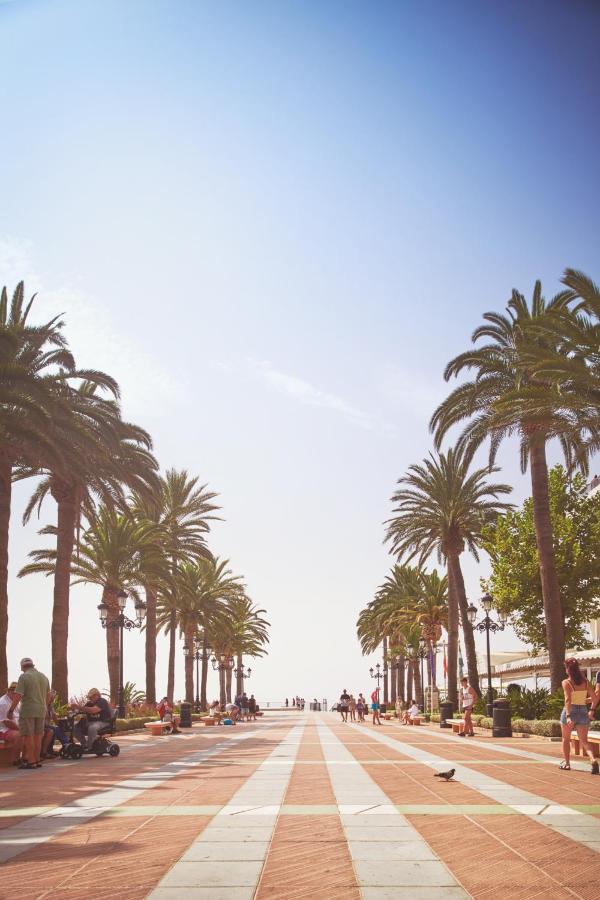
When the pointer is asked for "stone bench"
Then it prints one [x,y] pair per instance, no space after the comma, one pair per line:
[458,725]
[159,728]
[416,720]
[593,741]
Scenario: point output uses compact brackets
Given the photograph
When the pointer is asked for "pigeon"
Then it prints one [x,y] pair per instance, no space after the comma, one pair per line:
[447,776]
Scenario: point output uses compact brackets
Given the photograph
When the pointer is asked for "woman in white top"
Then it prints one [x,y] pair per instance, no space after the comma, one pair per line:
[468,699]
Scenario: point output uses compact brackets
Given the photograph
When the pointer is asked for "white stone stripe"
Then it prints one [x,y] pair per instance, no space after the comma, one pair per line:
[389,856]
[39,829]
[227,858]
[566,821]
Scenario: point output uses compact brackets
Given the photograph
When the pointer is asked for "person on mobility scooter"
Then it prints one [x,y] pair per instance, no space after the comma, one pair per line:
[97,720]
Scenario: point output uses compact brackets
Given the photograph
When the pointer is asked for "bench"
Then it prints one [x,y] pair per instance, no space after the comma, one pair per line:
[416,720]
[211,720]
[4,753]
[593,741]
[458,725]
[159,728]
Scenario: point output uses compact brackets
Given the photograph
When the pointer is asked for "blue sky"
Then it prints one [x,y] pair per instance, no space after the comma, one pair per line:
[274,223]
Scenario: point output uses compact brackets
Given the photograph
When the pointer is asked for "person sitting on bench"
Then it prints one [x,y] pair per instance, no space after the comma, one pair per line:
[98,715]
[165,711]
[411,713]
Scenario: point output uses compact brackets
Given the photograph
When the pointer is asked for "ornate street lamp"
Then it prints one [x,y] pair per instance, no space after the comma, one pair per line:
[378,673]
[487,624]
[121,622]
[242,672]
[197,652]
[222,662]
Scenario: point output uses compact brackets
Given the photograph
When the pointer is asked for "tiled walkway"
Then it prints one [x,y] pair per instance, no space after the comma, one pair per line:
[304,808]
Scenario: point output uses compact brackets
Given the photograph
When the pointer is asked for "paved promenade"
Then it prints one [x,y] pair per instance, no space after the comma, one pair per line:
[302,806]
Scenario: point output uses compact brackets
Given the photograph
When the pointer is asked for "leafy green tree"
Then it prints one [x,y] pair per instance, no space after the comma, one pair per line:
[515,582]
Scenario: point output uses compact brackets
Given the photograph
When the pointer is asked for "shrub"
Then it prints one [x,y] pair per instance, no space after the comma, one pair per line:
[133,724]
[547,728]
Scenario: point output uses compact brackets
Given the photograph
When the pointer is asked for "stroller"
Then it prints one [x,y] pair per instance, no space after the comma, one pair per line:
[102,744]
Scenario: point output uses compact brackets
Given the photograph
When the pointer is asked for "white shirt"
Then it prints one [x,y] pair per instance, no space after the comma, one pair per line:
[5,705]
[414,711]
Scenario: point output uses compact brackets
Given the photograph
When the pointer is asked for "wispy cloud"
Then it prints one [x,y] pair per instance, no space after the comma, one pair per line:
[413,393]
[96,340]
[306,393]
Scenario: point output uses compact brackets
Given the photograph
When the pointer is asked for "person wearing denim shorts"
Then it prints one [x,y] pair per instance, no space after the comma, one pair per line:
[576,713]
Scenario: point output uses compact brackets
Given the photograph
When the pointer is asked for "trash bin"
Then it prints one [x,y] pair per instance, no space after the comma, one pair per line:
[501,724]
[185,720]
[446,712]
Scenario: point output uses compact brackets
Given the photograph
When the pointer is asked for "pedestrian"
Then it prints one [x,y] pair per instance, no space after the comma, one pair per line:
[33,692]
[352,708]
[287,702]
[9,727]
[245,713]
[468,698]
[343,704]
[577,689]
[375,706]
[360,708]
[252,707]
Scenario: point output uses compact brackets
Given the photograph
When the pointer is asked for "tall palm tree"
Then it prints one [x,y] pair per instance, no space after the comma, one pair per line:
[441,507]
[35,369]
[198,602]
[185,512]
[249,629]
[104,455]
[510,395]
[109,555]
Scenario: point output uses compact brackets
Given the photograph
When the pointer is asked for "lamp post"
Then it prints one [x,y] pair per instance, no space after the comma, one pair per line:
[422,654]
[242,672]
[487,624]
[378,672]
[121,622]
[198,653]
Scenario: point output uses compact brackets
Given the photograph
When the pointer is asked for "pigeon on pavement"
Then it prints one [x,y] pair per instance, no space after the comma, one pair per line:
[447,776]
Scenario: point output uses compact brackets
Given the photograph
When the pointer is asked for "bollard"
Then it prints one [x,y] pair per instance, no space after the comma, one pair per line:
[446,712]
[501,723]
[185,720]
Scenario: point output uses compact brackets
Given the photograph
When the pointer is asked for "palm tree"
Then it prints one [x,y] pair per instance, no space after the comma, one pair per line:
[104,454]
[511,395]
[249,631]
[441,508]
[109,555]
[183,510]
[197,602]
[36,368]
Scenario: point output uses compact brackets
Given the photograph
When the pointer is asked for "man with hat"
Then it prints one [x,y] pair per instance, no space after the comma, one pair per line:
[33,692]
[97,714]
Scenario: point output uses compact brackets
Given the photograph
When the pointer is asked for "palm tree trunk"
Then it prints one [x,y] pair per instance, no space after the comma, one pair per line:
[5,498]
[172,644]
[416,680]
[109,597]
[204,676]
[452,657]
[66,500]
[393,685]
[400,677]
[222,693]
[239,681]
[409,683]
[189,664]
[553,612]
[228,678]
[456,576]
[150,645]
[385,671]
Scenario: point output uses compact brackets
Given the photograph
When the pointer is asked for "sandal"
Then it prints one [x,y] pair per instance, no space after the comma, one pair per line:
[27,765]
[565,766]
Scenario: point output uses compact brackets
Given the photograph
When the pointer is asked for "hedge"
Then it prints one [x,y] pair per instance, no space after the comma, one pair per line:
[135,724]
